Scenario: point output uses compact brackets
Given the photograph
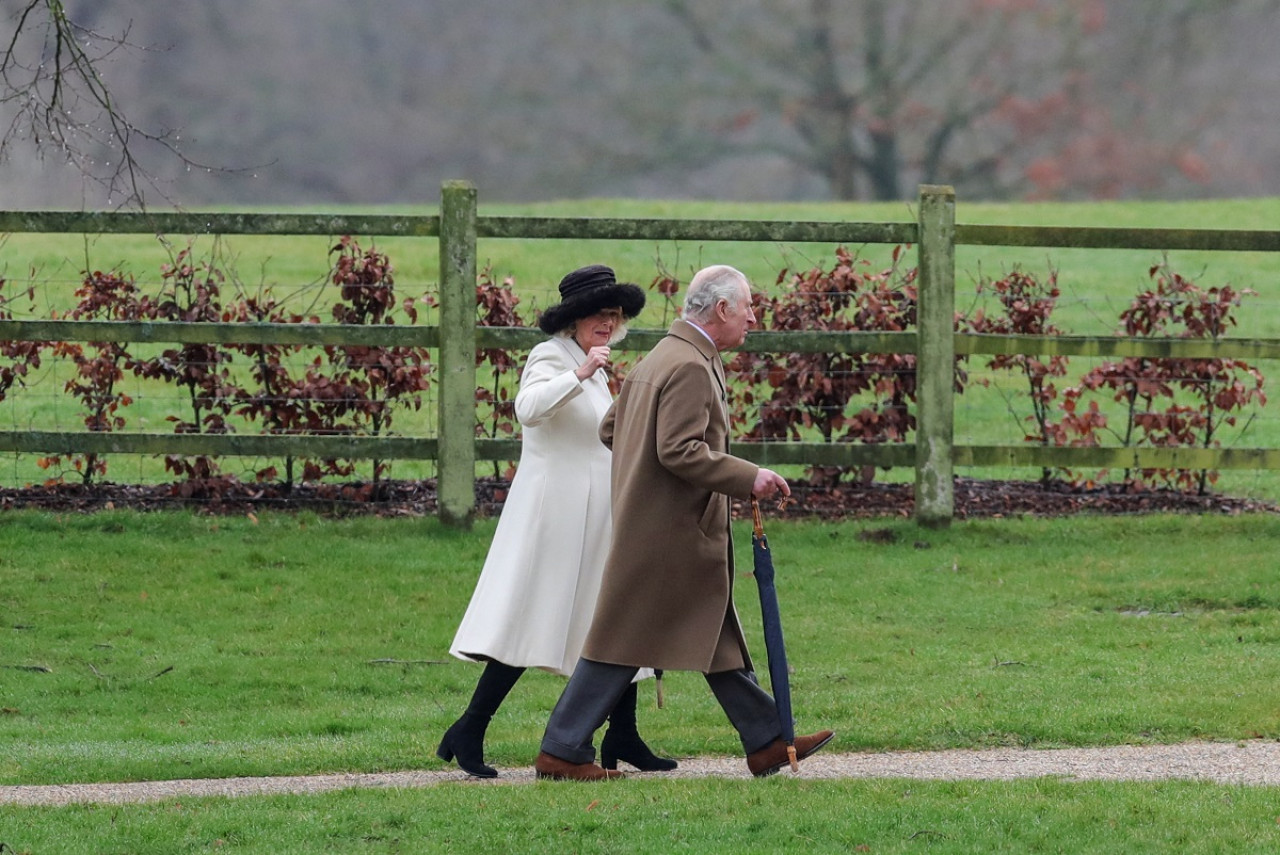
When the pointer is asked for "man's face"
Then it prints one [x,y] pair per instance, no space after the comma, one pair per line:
[738,319]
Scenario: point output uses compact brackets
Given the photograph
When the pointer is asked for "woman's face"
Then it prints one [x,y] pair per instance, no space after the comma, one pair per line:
[596,330]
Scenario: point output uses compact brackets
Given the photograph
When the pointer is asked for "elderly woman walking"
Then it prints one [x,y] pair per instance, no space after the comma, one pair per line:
[537,592]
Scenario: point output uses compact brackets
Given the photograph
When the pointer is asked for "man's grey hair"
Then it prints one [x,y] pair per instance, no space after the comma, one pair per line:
[710,285]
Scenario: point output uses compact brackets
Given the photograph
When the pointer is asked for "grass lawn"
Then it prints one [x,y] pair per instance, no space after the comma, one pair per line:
[167,645]
[695,816]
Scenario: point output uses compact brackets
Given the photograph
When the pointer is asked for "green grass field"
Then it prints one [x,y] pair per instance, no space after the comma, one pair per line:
[170,645]
[711,816]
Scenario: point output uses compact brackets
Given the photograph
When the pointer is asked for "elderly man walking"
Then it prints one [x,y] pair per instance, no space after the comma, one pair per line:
[666,600]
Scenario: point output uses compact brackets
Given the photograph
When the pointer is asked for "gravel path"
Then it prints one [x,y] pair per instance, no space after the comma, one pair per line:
[1254,763]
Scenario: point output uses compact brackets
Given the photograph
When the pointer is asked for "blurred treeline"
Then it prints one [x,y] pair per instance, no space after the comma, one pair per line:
[379,101]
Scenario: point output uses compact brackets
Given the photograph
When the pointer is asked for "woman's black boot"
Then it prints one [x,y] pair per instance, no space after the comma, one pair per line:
[622,741]
[464,740]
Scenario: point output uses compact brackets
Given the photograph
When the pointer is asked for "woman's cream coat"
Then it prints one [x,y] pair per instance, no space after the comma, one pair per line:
[533,604]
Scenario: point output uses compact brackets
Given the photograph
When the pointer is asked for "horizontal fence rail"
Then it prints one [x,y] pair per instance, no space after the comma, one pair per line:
[1094,237]
[199,332]
[456,339]
[587,228]
[222,444]
[524,338]
[124,223]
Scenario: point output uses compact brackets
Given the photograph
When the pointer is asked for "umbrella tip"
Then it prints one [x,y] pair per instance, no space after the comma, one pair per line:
[791,756]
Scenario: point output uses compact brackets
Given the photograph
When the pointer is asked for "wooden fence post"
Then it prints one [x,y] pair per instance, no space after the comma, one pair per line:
[935,357]
[456,464]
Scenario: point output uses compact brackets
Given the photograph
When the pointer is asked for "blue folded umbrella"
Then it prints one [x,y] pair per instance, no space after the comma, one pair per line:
[775,647]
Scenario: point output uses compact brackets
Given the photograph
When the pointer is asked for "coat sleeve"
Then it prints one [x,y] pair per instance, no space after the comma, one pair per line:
[547,384]
[606,425]
[688,411]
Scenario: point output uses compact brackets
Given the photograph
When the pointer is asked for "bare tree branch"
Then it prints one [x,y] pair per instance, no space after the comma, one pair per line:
[57,102]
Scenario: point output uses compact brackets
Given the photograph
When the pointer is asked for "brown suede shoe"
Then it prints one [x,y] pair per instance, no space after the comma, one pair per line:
[548,766]
[773,756]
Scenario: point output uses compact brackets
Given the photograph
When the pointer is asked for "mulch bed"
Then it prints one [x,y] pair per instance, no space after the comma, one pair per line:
[986,498]
[973,499]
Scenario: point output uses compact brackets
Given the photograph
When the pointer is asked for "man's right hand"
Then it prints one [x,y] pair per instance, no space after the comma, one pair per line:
[769,482]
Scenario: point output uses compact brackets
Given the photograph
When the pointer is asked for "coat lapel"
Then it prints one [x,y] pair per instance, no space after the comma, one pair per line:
[688,332]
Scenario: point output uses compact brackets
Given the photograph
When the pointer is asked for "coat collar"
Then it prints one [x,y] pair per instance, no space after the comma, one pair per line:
[577,355]
[571,347]
[686,331]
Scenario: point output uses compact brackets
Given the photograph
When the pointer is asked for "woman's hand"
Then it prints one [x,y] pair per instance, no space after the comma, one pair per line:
[597,358]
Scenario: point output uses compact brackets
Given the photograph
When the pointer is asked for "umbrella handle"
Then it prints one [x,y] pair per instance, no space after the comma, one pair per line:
[755,516]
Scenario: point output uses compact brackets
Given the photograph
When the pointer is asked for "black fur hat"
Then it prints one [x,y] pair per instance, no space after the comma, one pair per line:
[586,291]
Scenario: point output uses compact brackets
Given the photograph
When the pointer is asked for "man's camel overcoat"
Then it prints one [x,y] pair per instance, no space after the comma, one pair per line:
[666,600]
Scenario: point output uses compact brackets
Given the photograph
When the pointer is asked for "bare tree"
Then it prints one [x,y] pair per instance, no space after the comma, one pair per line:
[999,98]
[381,100]
[54,100]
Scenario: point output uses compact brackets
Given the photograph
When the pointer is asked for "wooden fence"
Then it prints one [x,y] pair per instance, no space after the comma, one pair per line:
[935,234]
